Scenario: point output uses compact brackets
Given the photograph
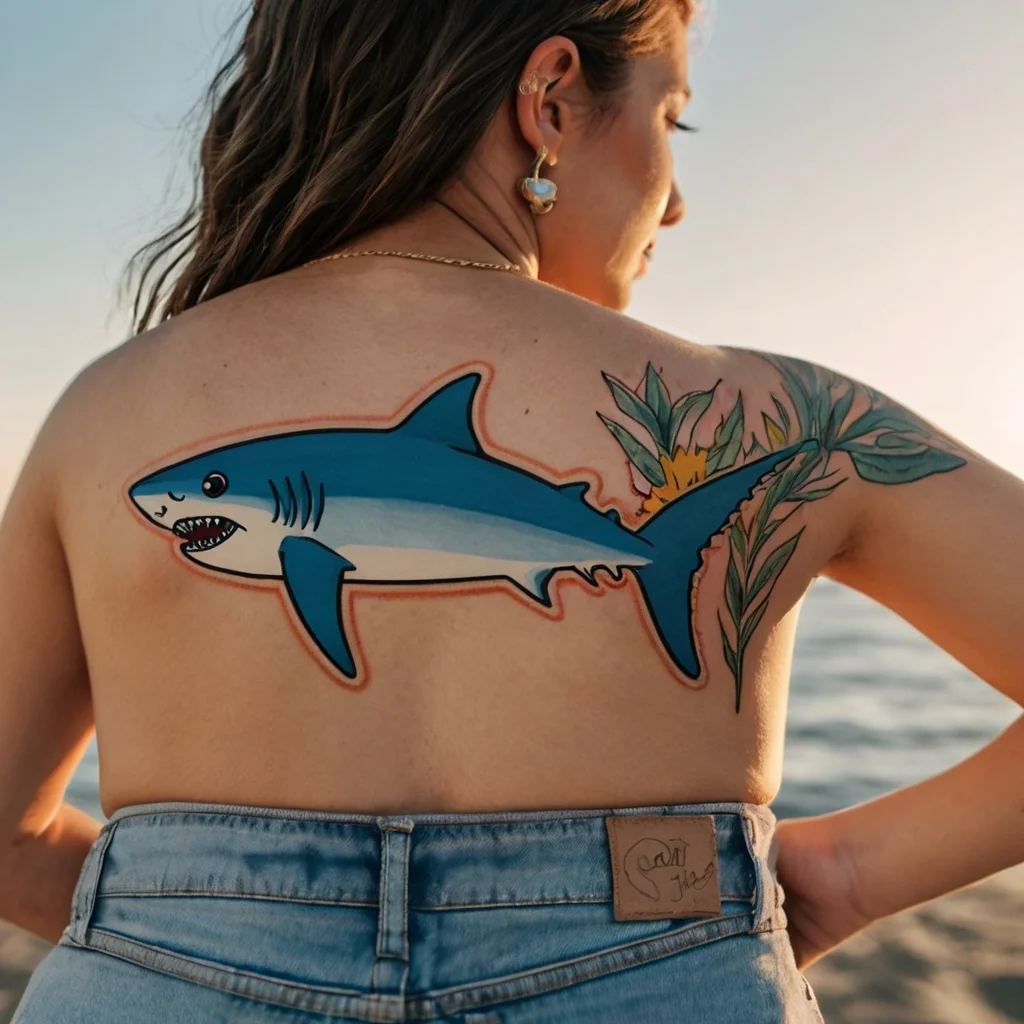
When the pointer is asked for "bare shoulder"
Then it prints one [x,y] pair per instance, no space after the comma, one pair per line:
[873,437]
[870,443]
[927,516]
[145,376]
[98,416]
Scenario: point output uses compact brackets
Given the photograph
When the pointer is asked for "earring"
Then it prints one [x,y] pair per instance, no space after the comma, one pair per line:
[531,83]
[539,192]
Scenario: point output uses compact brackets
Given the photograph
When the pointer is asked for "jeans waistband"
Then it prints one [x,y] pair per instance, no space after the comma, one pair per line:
[443,861]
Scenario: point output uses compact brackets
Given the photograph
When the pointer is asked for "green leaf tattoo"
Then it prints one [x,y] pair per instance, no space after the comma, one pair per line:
[687,412]
[728,440]
[638,410]
[637,453]
[885,443]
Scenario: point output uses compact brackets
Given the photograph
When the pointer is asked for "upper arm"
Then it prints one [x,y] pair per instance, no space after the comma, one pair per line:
[945,555]
[46,716]
[934,534]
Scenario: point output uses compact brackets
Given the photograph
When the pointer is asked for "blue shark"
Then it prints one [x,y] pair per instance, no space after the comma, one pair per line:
[423,503]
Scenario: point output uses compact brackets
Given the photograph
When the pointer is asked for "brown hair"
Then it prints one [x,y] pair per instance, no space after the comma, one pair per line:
[335,117]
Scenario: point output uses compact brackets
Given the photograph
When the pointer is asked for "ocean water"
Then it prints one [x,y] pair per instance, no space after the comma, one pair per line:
[874,705]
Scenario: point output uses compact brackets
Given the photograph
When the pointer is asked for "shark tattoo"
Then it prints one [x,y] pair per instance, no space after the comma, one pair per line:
[423,503]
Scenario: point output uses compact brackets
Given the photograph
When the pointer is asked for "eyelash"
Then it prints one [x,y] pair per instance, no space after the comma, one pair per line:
[681,126]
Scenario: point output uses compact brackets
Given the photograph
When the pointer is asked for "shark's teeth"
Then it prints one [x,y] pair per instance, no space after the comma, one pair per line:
[185,527]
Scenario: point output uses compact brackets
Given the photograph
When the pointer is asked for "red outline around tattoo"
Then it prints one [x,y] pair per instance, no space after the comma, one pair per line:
[370,591]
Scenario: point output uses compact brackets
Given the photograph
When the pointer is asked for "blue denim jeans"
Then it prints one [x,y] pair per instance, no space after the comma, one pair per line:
[187,913]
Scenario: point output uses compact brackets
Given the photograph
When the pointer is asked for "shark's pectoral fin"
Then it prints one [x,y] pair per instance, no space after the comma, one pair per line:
[313,575]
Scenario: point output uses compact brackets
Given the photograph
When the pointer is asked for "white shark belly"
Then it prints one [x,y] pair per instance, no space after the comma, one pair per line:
[396,540]
[422,565]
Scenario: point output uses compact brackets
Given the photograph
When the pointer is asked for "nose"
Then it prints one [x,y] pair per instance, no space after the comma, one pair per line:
[162,512]
[676,209]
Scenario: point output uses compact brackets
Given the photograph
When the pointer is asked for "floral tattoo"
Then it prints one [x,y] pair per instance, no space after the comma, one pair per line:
[886,444]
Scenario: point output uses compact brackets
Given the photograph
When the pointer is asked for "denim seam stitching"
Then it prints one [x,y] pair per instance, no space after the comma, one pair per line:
[567,973]
[428,1005]
[217,811]
[210,965]
[311,998]
[596,898]
[382,888]
[405,907]
[88,883]
[235,894]
[570,901]
[404,978]
[761,918]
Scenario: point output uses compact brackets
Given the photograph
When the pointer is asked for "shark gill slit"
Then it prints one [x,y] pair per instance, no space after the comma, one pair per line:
[319,511]
[277,502]
[293,502]
[307,508]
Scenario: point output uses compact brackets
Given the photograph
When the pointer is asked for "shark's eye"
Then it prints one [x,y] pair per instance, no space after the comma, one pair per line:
[215,485]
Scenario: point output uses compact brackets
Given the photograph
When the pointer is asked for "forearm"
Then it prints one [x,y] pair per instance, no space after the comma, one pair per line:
[38,874]
[940,835]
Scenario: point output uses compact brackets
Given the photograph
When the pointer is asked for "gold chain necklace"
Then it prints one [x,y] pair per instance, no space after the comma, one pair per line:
[512,267]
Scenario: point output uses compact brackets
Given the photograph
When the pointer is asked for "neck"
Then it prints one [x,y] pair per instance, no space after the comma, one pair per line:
[471,220]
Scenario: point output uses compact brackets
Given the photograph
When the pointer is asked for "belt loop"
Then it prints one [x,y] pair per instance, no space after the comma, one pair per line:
[762,849]
[392,964]
[83,901]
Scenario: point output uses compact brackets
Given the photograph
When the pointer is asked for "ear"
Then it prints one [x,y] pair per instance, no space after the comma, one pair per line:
[543,115]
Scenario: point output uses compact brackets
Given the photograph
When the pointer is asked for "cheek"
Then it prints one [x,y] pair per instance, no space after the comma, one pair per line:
[646,166]
[643,171]
[613,202]
[660,172]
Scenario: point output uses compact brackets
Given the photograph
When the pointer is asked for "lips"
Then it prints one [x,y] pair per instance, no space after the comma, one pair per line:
[204,532]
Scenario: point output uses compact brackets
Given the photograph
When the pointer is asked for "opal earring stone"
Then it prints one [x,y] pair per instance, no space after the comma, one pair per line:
[540,193]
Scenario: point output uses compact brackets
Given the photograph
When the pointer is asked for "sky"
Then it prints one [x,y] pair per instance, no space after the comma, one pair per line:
[854,194]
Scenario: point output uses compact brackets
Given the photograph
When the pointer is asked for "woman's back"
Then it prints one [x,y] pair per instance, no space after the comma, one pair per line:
[436,622]
[465,690]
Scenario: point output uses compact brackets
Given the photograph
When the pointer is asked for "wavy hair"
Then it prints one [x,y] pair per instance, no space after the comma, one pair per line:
[335,117]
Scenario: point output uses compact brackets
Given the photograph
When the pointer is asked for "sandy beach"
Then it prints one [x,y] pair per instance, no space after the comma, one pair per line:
[955,960]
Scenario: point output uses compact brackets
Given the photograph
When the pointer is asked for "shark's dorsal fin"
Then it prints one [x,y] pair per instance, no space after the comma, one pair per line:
[447,416]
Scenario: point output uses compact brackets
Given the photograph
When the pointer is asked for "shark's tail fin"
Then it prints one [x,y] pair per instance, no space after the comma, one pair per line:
[678,533]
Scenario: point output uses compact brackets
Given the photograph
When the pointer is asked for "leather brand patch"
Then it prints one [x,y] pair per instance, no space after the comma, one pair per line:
[664,866]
